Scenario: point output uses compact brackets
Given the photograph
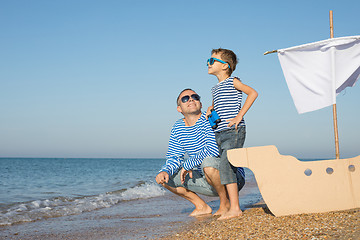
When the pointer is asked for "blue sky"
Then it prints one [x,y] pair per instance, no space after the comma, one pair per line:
[100,78]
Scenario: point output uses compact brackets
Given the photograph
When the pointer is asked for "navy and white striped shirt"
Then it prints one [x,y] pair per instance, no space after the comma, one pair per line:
[227,102]
[197,141]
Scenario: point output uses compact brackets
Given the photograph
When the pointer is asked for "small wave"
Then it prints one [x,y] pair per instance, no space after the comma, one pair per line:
[63,206]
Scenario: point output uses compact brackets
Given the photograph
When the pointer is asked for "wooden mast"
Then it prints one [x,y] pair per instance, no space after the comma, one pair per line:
[336,134]
[337,152]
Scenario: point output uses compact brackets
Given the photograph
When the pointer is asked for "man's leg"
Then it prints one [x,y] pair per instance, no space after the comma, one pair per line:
[201,207]
[213,177]
[187,191]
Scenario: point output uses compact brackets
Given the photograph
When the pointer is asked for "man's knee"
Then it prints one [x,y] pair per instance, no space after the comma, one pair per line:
[210,171]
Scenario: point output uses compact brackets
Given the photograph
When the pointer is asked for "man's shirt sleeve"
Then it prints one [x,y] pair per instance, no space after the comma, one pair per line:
[175,155]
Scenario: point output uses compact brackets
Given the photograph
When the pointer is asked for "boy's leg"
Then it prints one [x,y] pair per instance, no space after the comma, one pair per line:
[230,140]
[210,168]
[234,210]
[226,140]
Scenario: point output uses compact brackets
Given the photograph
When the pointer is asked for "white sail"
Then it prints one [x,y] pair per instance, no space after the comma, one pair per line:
[316,72]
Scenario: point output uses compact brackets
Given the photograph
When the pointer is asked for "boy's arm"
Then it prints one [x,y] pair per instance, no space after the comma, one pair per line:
[251,96]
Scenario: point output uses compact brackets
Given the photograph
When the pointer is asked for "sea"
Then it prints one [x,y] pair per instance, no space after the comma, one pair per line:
[43,189]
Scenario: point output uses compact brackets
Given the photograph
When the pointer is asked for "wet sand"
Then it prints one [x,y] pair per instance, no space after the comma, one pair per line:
[259,223]
[141,219]
[152,218]
[167,218]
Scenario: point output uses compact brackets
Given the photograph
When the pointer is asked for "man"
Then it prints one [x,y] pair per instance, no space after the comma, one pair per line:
[199,172]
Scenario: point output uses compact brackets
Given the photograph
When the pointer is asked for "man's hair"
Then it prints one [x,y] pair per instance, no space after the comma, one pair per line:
[178,98]
[228,56]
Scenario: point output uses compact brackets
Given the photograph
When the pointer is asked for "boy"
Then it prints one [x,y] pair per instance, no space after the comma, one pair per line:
[230,133]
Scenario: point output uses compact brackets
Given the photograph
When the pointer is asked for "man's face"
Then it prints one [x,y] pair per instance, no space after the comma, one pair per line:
[192,106]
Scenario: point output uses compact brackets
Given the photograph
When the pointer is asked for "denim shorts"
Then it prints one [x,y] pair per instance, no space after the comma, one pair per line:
[198,182]
[226,140]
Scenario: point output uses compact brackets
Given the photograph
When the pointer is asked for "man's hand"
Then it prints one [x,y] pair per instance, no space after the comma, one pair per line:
[183,174]
[208,112]
[162,177]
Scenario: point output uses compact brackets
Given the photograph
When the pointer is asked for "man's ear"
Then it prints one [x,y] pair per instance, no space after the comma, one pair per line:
[179,109]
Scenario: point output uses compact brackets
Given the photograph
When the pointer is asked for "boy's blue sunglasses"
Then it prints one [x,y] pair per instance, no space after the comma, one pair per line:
[211,61]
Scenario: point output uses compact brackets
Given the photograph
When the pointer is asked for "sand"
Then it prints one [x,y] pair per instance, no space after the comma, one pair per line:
[259,223]
[160,219]
[255,223]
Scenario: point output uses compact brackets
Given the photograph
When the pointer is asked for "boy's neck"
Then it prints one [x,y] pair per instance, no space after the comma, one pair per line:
[222,76]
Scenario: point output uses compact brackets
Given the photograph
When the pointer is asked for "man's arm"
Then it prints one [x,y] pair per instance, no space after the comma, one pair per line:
[183,174]
[162,177]
[175,155]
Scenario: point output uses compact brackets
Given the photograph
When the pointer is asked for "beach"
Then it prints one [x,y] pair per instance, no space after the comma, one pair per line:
[118,199]
[259,223]
[255,223]
[141,219]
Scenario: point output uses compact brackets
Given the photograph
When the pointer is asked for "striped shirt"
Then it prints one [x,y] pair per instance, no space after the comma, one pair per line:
[227,102]
[197,141]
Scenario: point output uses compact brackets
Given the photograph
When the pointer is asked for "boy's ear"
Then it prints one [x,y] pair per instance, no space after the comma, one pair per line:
[225,66]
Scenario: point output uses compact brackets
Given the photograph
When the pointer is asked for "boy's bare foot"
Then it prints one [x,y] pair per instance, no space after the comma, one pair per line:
[223,208]
[230,215]
[201,211]
[221,211]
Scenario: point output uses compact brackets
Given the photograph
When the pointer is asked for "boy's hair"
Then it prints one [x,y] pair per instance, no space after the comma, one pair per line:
[228,56]
[178,98]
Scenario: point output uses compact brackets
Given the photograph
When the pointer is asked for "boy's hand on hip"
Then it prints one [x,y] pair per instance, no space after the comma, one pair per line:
[234,121]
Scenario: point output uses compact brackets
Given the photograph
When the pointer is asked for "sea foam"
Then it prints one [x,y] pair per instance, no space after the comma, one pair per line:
[64,206]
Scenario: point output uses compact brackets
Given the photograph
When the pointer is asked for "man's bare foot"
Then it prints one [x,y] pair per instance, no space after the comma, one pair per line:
[230,215]
[201,211]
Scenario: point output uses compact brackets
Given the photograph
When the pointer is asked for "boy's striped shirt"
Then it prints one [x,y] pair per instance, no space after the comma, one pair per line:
[227,102]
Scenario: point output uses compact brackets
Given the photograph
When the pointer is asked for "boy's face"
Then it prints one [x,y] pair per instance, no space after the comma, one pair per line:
[217,66]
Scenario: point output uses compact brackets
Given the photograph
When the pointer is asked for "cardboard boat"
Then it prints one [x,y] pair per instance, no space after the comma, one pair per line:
[315,73]
[289,186]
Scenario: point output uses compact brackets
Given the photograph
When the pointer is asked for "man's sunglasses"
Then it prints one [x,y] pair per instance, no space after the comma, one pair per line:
[186,98]
[211,61]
